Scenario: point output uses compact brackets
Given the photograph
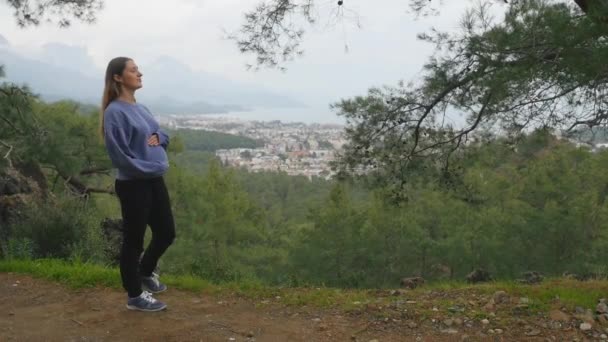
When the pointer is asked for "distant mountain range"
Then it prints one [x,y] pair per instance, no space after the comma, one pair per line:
[170,87]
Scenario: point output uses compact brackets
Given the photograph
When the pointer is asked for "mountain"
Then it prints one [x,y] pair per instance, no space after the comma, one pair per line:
[170,87]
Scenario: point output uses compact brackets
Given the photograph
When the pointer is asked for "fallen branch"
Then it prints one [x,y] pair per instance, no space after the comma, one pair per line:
[7,155]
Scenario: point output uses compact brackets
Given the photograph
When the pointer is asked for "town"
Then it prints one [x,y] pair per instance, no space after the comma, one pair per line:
[292,147]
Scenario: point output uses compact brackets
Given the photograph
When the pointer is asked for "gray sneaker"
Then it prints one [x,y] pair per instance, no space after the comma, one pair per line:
[152,284]
[145,302]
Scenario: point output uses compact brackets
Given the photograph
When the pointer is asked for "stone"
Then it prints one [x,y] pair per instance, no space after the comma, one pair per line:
[601,308]
[450,331]
[533,332]
[412,282]
[560,316]
[498,331]
[531,277]
[524,300]
[500,297]
[458,322]
[604,337]
[490,306]
[587,317]
[585,326]
[478,276]
[448,322]
[485,321]
[412,325]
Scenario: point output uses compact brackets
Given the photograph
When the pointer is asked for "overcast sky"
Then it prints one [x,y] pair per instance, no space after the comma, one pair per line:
[382,52]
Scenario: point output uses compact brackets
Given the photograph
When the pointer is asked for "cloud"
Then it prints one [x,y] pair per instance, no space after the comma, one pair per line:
[384,51]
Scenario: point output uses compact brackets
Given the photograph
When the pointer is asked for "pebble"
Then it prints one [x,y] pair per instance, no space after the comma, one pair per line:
[604,337]
[533,332]
[585,326]
[450,331]
[498,331]
[448,322]
[485,321]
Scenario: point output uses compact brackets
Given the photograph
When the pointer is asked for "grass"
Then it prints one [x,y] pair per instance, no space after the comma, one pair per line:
[543,297]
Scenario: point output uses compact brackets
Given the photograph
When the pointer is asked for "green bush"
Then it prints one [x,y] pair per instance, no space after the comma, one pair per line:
[58,228]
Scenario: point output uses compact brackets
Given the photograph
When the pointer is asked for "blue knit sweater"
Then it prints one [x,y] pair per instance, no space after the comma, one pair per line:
[127,128]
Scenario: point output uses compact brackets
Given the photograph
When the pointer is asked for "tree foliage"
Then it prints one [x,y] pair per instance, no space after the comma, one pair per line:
[60,12]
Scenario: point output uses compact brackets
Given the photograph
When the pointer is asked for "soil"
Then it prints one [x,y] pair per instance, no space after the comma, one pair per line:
[40,310]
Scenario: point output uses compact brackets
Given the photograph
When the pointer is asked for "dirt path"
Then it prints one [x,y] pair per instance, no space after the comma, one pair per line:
[39,310]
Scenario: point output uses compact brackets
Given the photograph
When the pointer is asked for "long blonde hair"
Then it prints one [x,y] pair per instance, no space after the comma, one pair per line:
[111,90]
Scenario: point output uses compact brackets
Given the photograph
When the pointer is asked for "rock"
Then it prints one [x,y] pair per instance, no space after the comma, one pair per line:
[498,331]
[316,319]
[478,276]
[458,322]
[250,334]
[602,308]
[500,297]
[485,321]
[412,282]
[587,317]
[604,337]
[448,322]
[412,325]
[603,319]
[450,331]
[585,326]
[490,306]
[533,332]
[558,315]
[323,327]
[579,310]
[456,308]
[531,277]
[524,300]
[396,293]
[491,331]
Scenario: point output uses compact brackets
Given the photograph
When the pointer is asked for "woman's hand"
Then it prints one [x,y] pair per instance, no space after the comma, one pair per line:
[154,141]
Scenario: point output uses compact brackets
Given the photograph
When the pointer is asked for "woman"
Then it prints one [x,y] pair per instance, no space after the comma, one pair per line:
[137,148]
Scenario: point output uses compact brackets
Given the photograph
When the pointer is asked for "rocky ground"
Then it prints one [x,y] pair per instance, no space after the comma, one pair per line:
[39,310]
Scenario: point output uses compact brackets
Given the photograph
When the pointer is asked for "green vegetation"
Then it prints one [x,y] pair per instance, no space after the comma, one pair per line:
[211,141]
[78,274]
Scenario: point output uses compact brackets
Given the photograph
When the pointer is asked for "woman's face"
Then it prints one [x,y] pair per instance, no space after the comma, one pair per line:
[131,77]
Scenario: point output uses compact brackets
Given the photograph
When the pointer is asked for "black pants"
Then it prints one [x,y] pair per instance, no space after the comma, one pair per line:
[143,202]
